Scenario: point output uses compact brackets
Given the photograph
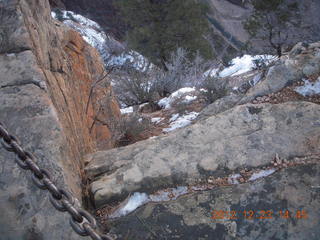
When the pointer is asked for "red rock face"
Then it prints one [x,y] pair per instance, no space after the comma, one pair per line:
[71,67]
[46,75]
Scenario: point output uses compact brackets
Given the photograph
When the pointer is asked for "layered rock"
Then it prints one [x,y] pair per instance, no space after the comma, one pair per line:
[283,206]
[46,99]
[244,136]
[230,133]
[301,62]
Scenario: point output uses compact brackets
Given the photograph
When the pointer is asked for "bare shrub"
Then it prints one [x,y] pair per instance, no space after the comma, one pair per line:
[214,88]
[145,82]
[134,128]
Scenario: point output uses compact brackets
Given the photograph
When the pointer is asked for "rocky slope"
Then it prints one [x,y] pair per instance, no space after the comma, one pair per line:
[53,98]
[56,97]
[282,206]
[240,138]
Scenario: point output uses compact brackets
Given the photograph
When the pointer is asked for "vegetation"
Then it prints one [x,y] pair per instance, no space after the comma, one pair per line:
[134,86]
[159,27]
[274,21]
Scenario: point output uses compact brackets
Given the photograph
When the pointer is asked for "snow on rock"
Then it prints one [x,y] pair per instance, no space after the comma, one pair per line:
[261,174]
[135,201]
[211,72]
[156,120]
[168,194]
[126,110]
[93,34]
[174,117]
[139,199]
[166,102]
[233,179]
[182,121]
[90,30]
[309,88]
[244,64]
[189,99]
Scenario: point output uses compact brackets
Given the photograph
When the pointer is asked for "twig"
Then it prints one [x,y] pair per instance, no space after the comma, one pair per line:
[92,87]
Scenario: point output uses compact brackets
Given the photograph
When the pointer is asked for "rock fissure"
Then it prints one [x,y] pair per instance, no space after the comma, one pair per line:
[241,176]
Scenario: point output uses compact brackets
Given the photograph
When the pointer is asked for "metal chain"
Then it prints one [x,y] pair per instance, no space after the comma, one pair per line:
[81,221]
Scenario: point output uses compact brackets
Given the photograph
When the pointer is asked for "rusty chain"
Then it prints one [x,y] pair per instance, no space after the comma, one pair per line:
[81,221]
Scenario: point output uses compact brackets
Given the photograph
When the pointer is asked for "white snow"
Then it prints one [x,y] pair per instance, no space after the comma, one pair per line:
[180,122]
[203,90]
[156,120]
[309,88]
[126,110]
[174,117]
[166,102]
[211,72]
[142,105]
[135,201]
[189,99]
[169,194]
[89,30]
[139,199]
[233,179]
[262,173]
[93,34]
[244,64]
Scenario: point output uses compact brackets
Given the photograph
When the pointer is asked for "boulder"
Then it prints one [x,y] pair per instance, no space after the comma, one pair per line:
[192,217]
[244,136]
[289,69]
[220,105]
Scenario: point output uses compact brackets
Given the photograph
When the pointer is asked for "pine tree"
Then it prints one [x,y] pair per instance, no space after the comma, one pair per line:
[159,27]
[273,21]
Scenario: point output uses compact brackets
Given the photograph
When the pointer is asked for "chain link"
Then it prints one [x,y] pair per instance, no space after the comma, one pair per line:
[81,221]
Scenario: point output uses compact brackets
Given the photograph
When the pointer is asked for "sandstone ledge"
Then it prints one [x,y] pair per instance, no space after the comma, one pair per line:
[244,136]
[190,217]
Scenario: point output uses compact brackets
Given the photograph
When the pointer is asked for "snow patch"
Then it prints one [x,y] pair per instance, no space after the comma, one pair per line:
[126,110]
[156,120]
[167,195]
[233,179]
[166,102]
[139,199]
[174,117]
[244,64]
[261,174]
[93,34]
[211,72]
[309,88]
[135,201]
[189,99]
[182,121]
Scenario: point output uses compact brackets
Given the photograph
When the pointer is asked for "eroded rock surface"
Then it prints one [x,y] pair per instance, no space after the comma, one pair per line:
[301,62]
[247,135]
[190,217]
[46,73]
